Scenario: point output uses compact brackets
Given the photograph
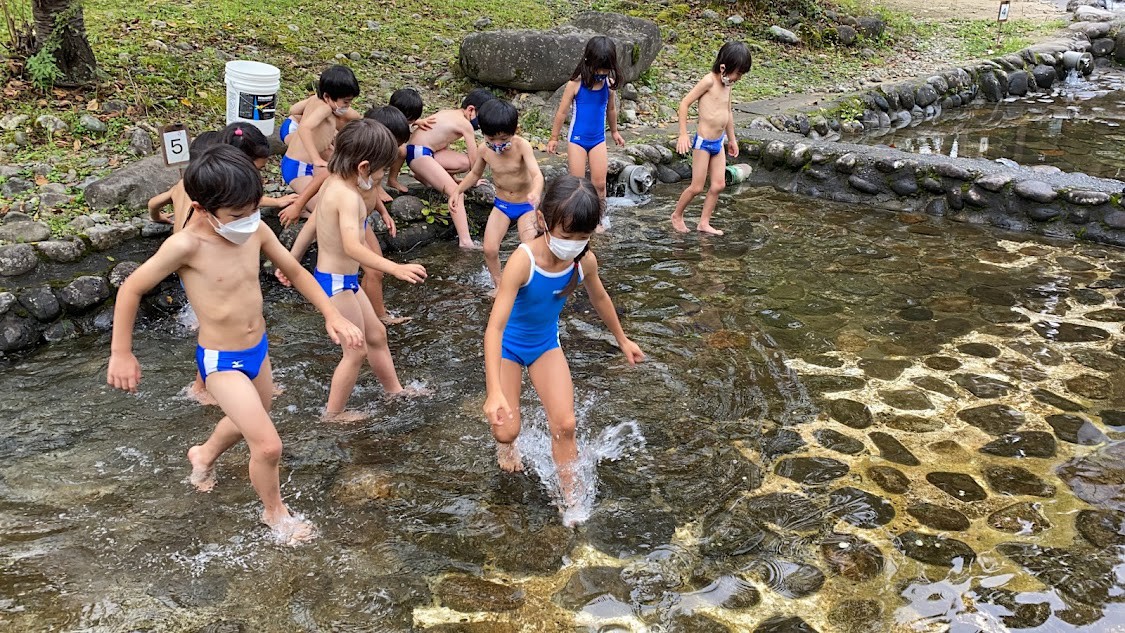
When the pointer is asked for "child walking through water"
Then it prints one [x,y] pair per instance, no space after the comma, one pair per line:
[523,329]
[714,130]
[591,91]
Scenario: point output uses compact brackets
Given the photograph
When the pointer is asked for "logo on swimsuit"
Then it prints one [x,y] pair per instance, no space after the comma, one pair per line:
[236,364]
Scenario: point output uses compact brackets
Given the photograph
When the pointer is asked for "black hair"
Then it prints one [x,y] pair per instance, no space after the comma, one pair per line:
[337,82]
[497,116]
[222,177]
[600,52]
[476,98]
[204,140]
[735,56]
[362,140]
[393,119]
[572,203]
[247,138]
[408,102]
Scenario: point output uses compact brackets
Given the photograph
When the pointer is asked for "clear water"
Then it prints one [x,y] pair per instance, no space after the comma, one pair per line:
[1076,128]
[752,339]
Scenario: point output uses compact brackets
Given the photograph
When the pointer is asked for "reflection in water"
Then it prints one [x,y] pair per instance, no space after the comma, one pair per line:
[848,419]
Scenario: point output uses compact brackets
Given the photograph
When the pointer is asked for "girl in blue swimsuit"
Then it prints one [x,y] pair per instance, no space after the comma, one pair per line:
[523,329]
[589,98]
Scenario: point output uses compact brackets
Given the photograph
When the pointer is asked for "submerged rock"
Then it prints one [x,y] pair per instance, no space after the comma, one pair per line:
[883,369]
[782,624]
[906,399]
[469,594]
[851,413]
[938,517]
[1098,478]
[790,579]
[914,423]
[1084,576]
[1022,444]
[994,419]
[857,616]
[935,550]
[892,450]
[1069,332]
[1075,429]
[960,486]
[1102,528]
[860,508]
[811,470]
[589,583]
[836,441]
[1019,518]
[889,479]
[852,557]
[983,386]
[1013,480]
[1056,401]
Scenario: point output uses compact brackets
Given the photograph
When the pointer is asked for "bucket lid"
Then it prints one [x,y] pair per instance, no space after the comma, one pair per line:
[246,67]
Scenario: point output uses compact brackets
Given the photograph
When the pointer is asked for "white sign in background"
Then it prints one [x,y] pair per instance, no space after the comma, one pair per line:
[175,139]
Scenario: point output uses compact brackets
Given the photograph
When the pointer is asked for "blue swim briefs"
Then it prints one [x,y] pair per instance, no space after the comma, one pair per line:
[512,209]
[335,283]
[288,126]
[291,169]
[417,151]
[713,148]
[247,361]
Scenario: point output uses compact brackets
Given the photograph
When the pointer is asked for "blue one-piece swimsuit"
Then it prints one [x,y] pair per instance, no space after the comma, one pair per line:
[587,122]
[533,326]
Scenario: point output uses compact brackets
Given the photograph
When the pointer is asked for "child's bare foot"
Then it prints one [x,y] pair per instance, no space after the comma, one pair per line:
[278,389]
[288,529]
[391,319]
[202,471]
[707,228]
[678,223]
[412,391]
[508,457]
[198,392]
[470,246]
[345,417]
[394,184]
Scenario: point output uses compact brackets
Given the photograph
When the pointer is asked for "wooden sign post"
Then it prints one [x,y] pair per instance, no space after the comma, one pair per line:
[1001,18]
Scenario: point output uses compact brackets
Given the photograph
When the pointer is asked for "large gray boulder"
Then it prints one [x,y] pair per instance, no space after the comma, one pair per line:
[545,60]
[133,185]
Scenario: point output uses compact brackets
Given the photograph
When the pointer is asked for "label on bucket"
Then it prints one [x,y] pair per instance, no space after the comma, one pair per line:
[256,107]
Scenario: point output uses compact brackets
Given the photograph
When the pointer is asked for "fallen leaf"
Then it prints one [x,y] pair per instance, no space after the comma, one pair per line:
[41,180]
[202,94]
[77,145]
[93,105]
[186,101]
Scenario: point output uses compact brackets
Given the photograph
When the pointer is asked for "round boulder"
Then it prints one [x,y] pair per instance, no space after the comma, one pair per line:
[17,259]
[84,293]
[40,303]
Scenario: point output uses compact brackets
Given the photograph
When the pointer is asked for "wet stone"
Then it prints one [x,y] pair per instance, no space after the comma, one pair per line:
[889,478]
[851,413]
[1038,352]
[1101,528]
[1023,611]
[1022,444]
[1084,576]
[892,450]
[1013,480]
[1056,401]
[935,550]
[994,419]
[539,551]
[1090,386]
[1088,297]
[1113,418]
[1097,360]
[1075,429]
[787,578]
[787,510]
[993,296]
[811,470]
[783,624]
[1098,478]
[469,595]
[851,557]
[1107,316]
[856,616]
[980,350]
[1069,332]
[823,360]
[1019,518]
[960,486]
[883,369]
[860,508]
[906,399]
[917,313]
[830,383]
[780,442]
[938,517]
[914,424]
[589,583]
[1020,370]
[836,441]
[696,622]
[943,363]
[983,386]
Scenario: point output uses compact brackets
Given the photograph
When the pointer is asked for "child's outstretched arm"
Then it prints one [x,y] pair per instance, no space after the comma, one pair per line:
[156,205]
[279,203]
[340,330]
[496,406]
[292,213]
[611,115]
[683,144]
[124,371]
[470,136]
[560,114]
[456,202]
[301,244]
[357,250]
[732,140]
[604,305]
[537,182]
[309,121]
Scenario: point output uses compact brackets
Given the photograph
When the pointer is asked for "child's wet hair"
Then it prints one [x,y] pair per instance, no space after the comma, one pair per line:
[600,53]
[205,140]
[362,140]
[408,102]
[735,56]
[573,204]
[497,116]
[393,119]
[222,177]
[247,138]
[476,98]
[337,82]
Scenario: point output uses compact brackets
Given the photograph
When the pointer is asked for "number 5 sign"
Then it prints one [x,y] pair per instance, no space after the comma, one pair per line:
[175,144]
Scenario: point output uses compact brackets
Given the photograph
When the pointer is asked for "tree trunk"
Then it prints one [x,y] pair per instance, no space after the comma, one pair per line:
[60,25]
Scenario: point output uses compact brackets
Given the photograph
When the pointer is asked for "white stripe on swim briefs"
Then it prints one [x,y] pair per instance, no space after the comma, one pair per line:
[337,284]
[699,141]
[210,361]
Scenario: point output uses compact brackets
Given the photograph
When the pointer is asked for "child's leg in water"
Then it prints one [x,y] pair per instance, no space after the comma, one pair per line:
[431,173]
[247,405]
[550,375]
[494,232]
[511,383]
[599,165]
[357,308]
[700,163]
[198,392]
[717,173]
[372,285]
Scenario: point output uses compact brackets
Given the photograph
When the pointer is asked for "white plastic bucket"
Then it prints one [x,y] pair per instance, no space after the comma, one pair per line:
[737,173]
[252,93]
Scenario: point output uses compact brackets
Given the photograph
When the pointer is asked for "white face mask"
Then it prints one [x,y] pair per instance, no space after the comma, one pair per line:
[566,250]
[365,183]
[726,80]
[341,111]
[240,230]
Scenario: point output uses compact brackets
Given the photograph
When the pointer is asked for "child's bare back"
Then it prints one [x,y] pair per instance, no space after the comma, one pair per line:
[448,126]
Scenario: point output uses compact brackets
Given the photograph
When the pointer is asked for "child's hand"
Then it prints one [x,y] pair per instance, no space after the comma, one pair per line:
[618,139]
[343,332]
[124,372]
[164,218]
[456,204]
[392,230]
[732,148]
[683,144]
[533,200]
[427,123]
[320,164]
[289,215]
[286,200]
[282,278]
[552,146]
[496,409]
[413,273]
[632,351]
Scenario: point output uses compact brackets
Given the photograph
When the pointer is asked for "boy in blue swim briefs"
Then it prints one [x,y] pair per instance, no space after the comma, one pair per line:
[218,262]
[714,130]
[515,175]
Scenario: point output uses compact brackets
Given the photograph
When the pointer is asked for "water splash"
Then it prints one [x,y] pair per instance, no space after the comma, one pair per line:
[611,444]
[187,318]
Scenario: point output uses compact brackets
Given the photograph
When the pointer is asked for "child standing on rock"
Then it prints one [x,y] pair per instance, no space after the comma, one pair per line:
[589,98]
[714,130]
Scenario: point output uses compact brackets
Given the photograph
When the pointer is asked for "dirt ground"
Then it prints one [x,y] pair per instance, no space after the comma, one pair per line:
[978,9]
